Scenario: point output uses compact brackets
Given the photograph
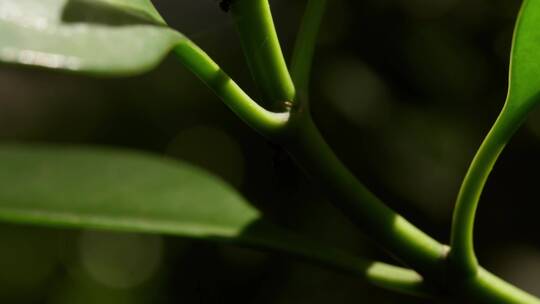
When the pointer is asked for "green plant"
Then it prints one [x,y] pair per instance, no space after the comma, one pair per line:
[106,189]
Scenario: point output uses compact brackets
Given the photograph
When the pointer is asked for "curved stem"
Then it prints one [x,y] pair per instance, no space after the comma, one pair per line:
[402,239]
[312,153]
[265,122]
[261,46]
[462,253]
[305,46]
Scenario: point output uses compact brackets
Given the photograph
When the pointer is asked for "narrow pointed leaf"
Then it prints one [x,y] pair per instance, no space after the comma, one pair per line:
[103,37]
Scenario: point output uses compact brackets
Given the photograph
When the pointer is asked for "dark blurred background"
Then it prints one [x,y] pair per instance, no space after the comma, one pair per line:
[404,90]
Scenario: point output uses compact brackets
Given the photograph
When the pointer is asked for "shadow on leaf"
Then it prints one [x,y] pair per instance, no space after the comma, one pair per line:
[102,13]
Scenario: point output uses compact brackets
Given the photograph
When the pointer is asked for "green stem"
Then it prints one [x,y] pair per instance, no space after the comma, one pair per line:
[403,240]
[265,122]
[407,243]
[487,288]
[305,46]
[274,125]
[462,253]
[299,135]
[384,275]
[261,46]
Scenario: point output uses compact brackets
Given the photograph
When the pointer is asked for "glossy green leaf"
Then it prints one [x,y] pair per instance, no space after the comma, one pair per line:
[131,191]
[104,37]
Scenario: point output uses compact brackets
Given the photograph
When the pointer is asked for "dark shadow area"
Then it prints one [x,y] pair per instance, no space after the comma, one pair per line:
[94,12]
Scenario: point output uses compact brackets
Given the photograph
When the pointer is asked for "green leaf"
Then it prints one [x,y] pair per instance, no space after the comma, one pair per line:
[130,191]
[111,189]
[102,37]
[524,84]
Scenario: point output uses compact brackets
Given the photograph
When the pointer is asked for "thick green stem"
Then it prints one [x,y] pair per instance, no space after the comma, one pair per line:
[270,125]
[462,253]
[261,46]
[393,232]
[305,46]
